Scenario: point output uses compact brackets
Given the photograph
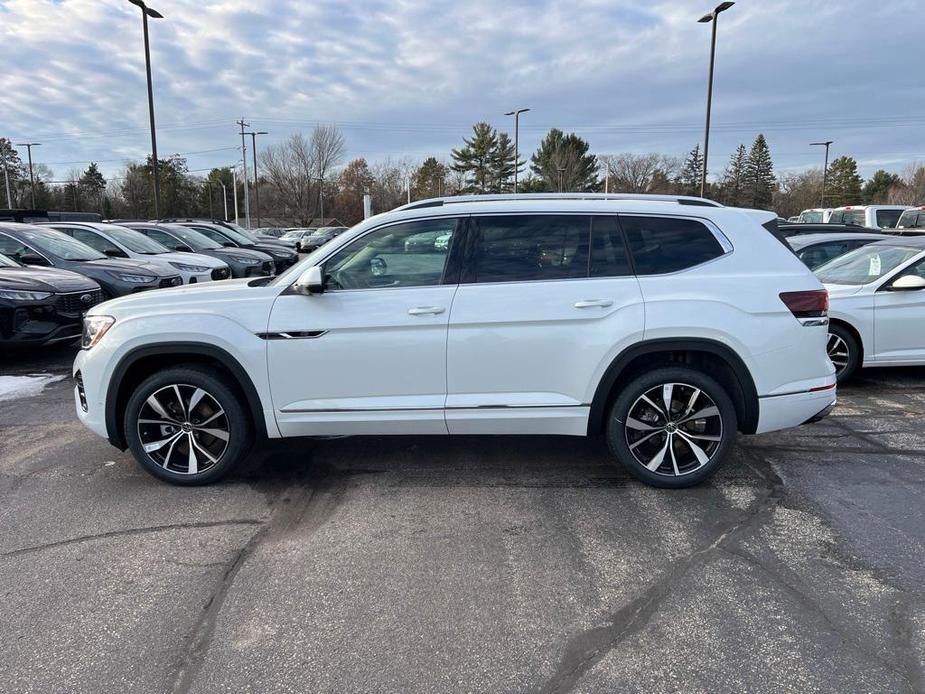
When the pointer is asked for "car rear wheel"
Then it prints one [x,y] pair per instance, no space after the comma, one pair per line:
[188,425]
[672,427]
[844,352]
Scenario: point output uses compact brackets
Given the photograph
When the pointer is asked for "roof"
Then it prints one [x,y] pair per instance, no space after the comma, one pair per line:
[511,197]
[864,207]
[911,241]
[804,240]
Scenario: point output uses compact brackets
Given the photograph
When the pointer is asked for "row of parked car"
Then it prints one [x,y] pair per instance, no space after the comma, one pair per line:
[872,216]
[51,273]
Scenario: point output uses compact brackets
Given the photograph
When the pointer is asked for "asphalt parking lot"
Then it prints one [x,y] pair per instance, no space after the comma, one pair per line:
[467,565]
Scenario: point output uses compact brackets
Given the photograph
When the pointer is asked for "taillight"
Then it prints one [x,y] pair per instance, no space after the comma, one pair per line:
[813,303]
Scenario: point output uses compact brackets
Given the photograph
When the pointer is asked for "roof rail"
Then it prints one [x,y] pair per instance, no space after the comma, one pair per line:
[495,197]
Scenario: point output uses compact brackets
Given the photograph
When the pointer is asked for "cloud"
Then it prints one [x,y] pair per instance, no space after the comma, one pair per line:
[408,78]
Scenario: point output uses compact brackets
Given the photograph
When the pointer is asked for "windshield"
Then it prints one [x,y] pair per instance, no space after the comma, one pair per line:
[239,230]
[6,262]
[234,235]
[911,219]
[811,217]
[192,238]
[135,241]
[55,243]
[847,217]
[865,265]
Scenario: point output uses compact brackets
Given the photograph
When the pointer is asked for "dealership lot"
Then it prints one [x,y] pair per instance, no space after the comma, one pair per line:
[473,564]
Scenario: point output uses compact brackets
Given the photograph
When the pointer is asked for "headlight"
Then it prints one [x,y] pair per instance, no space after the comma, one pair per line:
[183,267]
[244,260]
[17,295]
[134,279]
[94,329]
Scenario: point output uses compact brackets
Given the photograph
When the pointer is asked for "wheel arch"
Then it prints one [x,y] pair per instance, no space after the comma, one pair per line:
[715,358]
[854,332]
[141,362]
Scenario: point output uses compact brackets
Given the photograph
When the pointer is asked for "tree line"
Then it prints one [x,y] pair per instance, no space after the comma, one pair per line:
[306,177]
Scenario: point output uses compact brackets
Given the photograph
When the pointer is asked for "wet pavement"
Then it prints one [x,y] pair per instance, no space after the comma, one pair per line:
[474,564]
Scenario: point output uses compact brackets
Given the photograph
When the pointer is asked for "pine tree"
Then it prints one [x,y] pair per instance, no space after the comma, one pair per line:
[734,178]
[476,158]
[91,185]
[759,175]
[691,173]
[562,163]
[429,179]
[503,164]
[877,189]
[844,184]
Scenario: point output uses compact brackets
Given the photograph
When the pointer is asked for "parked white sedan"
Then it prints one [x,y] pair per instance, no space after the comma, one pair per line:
[877,305]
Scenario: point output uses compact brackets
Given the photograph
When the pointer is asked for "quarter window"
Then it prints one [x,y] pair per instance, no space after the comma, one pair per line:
[522,248]
[664,244]
[413,254]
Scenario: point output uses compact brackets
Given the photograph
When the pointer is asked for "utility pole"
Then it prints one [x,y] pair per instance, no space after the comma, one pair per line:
[154,14]
[714,18]
[234,187]
[211,213]
[29,146]
[247,203]
[516,113]
[6,178]
[256,182]
[825,168]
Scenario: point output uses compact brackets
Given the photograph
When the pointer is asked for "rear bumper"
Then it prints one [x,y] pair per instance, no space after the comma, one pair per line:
[786,411]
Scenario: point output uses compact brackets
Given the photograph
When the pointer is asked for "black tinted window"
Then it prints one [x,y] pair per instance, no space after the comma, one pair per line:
[886,219]
[663,244]
[519,248]
[162,238]
[608,252]
[821,253]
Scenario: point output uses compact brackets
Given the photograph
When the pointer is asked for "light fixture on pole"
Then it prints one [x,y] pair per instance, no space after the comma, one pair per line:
[29,146]
[256,184]
[516,113]
[825,168]
[713,18]
[153,14]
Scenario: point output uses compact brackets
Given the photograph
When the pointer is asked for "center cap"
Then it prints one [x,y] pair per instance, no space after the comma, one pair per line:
[671,428]
[186,427]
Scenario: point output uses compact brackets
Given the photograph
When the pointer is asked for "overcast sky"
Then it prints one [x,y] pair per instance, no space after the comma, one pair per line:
[409,77]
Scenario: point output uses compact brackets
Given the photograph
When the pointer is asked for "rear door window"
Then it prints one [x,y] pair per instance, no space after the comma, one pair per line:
[660,245]
[524,248]
[608,250]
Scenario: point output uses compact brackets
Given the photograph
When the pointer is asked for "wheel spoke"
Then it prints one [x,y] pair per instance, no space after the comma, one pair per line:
[155,405]
[693,401]
[657,408]
[157,445]
[667,391]
[192,461]
[212,418]
[209,456]
[674,461]
[194,400]
[217,433]
[176,389]
[709,411]
[700,437]
[698,452]
[641,426]
[645,438]
[170,451]
[659,457]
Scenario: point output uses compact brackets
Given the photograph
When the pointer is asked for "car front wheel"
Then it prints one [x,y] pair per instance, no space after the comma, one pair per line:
[672,427]
[187,425]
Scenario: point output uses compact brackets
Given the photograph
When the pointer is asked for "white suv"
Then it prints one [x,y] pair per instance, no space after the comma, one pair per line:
[665,324]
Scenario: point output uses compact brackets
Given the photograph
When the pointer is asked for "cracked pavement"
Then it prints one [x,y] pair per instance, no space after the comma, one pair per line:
[467,565]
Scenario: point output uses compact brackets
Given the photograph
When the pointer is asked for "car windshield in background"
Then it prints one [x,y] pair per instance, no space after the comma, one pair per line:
[811,217]
[865,265]
[55,243]
[886,219]
[193,238]
[236,236]
[911,219]
[135,241]
[847,217]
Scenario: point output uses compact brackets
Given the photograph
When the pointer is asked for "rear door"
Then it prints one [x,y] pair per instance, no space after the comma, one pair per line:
[545,303]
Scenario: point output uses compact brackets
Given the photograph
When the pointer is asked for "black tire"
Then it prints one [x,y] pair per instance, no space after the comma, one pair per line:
[673,437]
[840,341]
[219,411]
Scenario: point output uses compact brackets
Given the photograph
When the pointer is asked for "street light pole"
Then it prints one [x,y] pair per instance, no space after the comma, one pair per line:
[561,174]
[29,146]
[234,187]
[516,113]
[825,168]
[247,202]
[6,179]
[714,18]
[154,14]
[256,184]
[224,198]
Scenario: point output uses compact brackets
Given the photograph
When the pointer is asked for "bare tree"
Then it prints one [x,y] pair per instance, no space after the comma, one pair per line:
[912,189]
[288,167]
[637,173]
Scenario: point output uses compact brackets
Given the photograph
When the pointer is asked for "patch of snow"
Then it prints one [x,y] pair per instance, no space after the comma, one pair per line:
[13,387]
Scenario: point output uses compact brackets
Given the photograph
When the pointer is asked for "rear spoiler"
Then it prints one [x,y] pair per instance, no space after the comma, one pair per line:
[768,220]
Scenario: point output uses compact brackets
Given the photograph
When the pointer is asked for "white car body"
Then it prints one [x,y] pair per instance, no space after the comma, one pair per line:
[890,324]
[815,215]
[509,357]
[194,268]
[871,216]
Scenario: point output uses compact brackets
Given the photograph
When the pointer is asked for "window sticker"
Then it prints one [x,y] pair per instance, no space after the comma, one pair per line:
[874,266]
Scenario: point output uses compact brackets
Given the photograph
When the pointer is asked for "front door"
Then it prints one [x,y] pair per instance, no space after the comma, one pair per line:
[899,321]
[546,302]
[368,356]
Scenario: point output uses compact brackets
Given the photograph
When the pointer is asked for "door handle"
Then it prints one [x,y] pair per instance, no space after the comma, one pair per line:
[588,303]
[424,310]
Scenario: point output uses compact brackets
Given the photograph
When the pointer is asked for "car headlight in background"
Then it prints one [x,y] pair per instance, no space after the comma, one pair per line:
[132,278]
[243,260]
[94,329]
[183,267]
[18,295]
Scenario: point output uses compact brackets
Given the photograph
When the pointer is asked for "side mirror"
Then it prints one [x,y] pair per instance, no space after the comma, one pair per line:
[907,283]
[33,259]
[115,253]
[311,281]
[228,244]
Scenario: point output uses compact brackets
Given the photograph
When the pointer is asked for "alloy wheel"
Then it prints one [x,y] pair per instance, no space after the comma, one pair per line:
[838,352]
[674,429]
[183,429]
